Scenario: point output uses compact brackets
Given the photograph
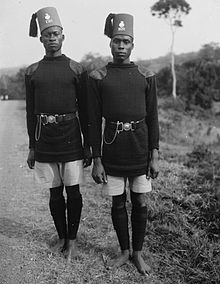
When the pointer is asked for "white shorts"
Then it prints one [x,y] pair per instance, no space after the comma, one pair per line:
[117,185]
[55,174]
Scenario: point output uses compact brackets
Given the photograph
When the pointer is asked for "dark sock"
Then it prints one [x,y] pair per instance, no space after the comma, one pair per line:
[138,223]
[57,209]
[74,209]
[120,223]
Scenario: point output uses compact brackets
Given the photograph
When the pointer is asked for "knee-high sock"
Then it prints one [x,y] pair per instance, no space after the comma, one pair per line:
[57,209]
[138,223]
[74,209]
[120,223]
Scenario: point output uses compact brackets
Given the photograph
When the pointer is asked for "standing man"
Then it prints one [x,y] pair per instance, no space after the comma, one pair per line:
[55,98]
[124,94]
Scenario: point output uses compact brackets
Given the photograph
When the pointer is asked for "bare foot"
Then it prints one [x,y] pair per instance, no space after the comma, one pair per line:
[119,261]
[58,247]
[141,266]
[70,250]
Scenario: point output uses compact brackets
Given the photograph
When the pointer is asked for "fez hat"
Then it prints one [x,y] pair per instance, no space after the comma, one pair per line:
[119,24]
[47,17]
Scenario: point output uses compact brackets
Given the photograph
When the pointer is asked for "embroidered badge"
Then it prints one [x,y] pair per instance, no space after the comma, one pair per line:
[121,26]
[47,18]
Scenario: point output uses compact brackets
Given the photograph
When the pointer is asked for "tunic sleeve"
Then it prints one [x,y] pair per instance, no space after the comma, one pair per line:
[30,115]
[95,116]
[152,113]
[82,91]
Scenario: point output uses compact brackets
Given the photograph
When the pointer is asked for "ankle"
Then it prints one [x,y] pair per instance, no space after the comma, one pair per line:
[137,253]
[125,252]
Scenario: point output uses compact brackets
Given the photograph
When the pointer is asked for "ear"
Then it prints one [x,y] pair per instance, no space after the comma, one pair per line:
[110,43]
[63,37]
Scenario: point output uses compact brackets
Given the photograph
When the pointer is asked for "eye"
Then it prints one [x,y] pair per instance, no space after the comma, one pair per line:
[126,41]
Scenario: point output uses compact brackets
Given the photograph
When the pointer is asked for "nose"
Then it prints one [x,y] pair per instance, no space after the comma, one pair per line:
[121,45]
[52,37]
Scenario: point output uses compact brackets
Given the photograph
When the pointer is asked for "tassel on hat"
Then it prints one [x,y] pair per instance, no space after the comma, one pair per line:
[119,24]
[46,17]
[109,25]
[33,26]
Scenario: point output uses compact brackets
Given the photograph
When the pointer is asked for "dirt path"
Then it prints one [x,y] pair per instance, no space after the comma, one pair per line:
[15,185]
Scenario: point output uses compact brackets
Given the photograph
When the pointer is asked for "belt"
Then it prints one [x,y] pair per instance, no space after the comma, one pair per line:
[125,126]
[55,118]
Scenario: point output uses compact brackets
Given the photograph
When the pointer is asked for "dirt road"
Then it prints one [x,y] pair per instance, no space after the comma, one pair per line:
[17,194]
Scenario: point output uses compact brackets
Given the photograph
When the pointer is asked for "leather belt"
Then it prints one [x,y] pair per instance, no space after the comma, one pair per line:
[125,126]
[55,118]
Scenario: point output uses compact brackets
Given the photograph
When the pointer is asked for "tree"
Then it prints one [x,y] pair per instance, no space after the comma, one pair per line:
[93,61]
[171,11]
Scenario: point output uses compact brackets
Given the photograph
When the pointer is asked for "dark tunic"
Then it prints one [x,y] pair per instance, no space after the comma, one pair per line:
[125,93]
[56,85]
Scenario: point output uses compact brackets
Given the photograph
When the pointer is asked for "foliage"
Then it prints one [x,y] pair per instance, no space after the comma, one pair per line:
[14,85]
[171,9]
[93,61]
[197,82]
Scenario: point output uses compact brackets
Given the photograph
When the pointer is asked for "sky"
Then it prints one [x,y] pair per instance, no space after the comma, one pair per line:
[83,23]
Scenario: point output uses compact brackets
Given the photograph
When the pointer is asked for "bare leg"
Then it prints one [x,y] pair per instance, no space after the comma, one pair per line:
[57,209]
[119,261]
[138,261]
[120,223]
[70,250]
[59,246]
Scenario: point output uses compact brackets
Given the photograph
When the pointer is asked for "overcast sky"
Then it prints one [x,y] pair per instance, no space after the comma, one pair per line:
[83,22]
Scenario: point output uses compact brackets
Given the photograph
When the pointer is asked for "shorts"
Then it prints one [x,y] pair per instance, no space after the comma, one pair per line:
[57,174]
[117,185]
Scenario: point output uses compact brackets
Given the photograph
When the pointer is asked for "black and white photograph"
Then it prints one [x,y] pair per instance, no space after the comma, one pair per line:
[110,142]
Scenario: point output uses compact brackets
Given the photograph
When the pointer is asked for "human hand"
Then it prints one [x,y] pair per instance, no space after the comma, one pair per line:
[98,172]
[153,167]
[87,160]
[31,159]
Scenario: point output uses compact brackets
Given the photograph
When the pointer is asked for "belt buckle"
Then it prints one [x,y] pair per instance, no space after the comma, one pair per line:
[51,119]
[127,126]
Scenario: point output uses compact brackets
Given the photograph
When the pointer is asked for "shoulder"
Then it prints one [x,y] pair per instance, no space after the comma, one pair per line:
[31,69]
[98,74]
[76,67]
[145,71]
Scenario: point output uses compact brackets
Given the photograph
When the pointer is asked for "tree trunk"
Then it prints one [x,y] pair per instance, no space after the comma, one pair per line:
[173,64]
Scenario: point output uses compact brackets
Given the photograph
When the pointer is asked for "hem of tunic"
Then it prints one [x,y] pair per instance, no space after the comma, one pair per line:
[63,158]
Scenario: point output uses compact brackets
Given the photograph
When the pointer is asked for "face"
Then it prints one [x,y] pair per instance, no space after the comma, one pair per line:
[52,39]
[121,47]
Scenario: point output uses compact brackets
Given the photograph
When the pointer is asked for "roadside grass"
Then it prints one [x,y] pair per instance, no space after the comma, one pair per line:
[182,241]
[184,220]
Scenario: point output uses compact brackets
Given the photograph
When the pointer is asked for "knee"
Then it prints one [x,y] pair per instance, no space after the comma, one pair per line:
[73,192]
[118,202]
[138,199]
[56,193]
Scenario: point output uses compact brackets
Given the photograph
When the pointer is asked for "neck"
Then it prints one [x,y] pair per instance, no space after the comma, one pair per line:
[53,54]
[118,61]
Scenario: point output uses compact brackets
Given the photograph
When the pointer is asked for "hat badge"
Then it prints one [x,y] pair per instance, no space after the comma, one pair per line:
[121,26]
[47,18]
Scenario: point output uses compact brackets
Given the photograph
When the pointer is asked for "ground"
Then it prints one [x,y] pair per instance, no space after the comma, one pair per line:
[27,231]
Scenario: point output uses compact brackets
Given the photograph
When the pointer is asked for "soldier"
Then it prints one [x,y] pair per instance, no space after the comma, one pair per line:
[124,94]
[55,98]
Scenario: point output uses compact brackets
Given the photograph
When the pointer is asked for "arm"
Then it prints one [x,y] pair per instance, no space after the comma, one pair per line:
[153,126]
[95,129]
[31,120]
[83,115]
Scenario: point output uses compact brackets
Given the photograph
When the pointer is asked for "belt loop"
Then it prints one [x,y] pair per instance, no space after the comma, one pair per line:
[56,118]
[117,127]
